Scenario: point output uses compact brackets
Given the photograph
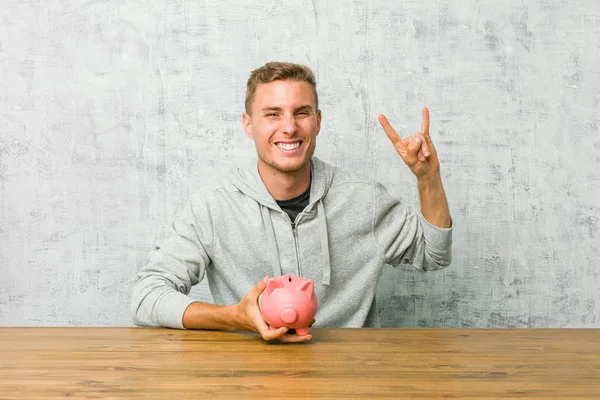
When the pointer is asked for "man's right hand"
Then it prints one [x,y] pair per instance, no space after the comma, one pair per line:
[249,318]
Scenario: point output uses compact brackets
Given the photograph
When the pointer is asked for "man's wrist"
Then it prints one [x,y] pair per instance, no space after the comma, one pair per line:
[434,205]
[430,182]
[235,317]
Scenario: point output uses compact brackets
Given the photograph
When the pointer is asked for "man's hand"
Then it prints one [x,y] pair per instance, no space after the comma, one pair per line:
[417,150]
[249,318]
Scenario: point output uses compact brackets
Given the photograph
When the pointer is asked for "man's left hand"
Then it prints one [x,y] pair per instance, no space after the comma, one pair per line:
[417,151]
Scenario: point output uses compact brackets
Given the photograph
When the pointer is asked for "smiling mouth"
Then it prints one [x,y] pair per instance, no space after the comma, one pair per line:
[288,146]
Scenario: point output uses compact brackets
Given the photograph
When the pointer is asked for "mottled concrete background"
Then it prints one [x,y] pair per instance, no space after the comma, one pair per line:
[112,111]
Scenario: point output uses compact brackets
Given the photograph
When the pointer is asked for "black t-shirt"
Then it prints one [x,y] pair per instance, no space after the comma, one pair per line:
[294,206]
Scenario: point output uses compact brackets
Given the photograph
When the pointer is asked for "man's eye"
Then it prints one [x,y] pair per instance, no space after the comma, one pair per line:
[271,115]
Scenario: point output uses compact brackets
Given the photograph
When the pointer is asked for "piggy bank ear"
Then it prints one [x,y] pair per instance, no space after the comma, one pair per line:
[307,287]
[273,284]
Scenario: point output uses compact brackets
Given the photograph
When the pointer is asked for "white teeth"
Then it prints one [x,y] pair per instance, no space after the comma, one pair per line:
[288,146]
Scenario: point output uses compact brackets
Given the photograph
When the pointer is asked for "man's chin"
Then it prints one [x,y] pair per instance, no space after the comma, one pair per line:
[289,166]
[289,169]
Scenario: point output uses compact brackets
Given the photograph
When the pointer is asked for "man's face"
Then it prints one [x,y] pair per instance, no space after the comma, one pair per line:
[284,123]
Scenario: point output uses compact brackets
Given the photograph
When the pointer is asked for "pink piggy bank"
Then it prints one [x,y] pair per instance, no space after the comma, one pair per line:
[289,301]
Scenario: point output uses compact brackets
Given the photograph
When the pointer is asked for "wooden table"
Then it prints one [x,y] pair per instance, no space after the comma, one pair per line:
[40,363]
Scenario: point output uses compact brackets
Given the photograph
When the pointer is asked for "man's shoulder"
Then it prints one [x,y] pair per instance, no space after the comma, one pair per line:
[212,187]
[347,176]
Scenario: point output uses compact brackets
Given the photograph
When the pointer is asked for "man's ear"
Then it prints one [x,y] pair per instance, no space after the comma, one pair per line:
[247,122]
[318,121]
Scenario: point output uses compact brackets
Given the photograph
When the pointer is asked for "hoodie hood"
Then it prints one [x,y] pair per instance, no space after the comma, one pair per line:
[249,182]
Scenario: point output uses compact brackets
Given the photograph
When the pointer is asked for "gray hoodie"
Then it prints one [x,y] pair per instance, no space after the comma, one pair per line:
[234,234]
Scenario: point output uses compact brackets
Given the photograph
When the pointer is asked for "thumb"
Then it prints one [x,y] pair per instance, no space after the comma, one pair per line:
[259,287]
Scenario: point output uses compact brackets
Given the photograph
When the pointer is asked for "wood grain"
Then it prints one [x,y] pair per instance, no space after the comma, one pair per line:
[110,363]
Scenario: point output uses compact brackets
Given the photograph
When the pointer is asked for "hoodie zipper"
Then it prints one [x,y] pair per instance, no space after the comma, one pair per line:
[295,233]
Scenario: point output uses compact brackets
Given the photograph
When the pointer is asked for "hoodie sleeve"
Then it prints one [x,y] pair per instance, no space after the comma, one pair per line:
[160,295]
[405,237]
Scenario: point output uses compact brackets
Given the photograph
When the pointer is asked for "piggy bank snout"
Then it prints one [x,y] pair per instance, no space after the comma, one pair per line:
[289,315]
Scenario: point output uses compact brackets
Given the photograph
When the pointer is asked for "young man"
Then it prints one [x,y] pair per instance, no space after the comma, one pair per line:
[291,213]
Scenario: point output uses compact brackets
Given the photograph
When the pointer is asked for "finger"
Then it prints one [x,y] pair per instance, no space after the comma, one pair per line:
[259,323]
[430,146]
[413,147]
[389,131]
[258,288]
[295,338]
[424,152]
[260,326]
[425,121]
[271,334]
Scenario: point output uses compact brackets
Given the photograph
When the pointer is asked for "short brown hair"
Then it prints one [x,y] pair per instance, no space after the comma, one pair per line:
[279,71]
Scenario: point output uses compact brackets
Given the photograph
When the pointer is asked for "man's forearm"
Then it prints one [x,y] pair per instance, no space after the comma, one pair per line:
[434,205]
[210,317]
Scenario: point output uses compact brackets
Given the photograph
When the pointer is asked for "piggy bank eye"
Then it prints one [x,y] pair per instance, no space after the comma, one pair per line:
[290,278]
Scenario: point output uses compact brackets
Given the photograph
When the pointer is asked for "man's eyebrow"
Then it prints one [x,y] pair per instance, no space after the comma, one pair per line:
[275,108]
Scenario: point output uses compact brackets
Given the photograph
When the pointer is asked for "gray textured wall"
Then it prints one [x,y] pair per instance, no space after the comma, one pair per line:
[112,111]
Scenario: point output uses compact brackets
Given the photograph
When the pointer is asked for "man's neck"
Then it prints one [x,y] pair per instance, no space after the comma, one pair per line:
[284,185]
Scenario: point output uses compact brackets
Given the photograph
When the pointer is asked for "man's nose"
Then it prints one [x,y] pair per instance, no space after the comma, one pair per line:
[289,125]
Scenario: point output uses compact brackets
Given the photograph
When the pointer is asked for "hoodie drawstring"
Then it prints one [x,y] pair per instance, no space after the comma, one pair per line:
[272,244]
[324,243]
[271,241]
